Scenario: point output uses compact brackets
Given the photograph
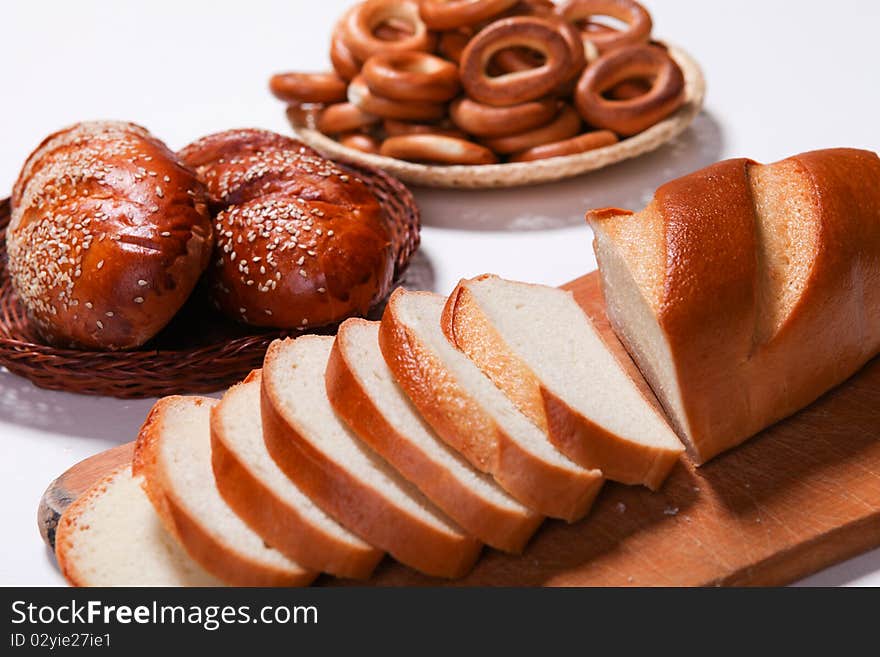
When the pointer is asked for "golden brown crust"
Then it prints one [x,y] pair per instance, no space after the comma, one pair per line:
[566,125]
[501,528]
[575,435]
[68,524]
[359,26]
[492,122]
[735,378]
[835,324]
[412,76]
[344,117]
[638,21]
[355,504]
[108,236]
[710,286]
[466,327]
[465,425]
[437,149]
[300,242]
[283,526]
[308,87]
[227,564]
[587,141]
[360,95]
[453,14]
[360,141]
[538,34]
[629,117]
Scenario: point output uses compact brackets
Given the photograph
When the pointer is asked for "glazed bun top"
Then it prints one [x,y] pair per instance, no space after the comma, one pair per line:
[302,242]
[108,235]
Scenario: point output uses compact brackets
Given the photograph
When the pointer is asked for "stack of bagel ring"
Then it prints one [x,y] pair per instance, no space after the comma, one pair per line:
[471,82]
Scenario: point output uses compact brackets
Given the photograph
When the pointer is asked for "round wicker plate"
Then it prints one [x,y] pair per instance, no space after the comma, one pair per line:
[199,351]
[531,173]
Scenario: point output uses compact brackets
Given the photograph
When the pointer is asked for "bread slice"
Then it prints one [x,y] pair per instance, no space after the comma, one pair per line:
[542,350]
[363,391]
[475,417]
[342,475]
[111,536]
[173,455]
[264,497]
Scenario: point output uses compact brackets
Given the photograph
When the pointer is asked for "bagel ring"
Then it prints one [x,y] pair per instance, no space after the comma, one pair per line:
[359,142]
[513,60]
[637,18]
[303,114]
[487,121]
[344,63]
[564,126]
[515,88]
[451,14]
[344,117]
[363,19]
[360,96]
[629,117]
[308,87]
[581,144]
[394,128]
[411,76]
[437,149]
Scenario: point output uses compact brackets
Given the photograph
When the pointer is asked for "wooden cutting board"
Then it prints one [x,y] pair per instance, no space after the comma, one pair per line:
[801,496]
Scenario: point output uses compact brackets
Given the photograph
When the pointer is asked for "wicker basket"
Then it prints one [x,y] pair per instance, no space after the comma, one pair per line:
[199,351]
[517,174]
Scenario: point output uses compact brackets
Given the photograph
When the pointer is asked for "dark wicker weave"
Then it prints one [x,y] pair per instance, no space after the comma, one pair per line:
[200,351]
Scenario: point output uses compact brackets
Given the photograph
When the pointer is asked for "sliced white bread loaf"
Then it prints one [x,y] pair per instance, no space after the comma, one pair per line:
[476,418]
[111,536]
[540,348]
[266,498]
[343,475]
[362,390]
[173,455]
[745,291]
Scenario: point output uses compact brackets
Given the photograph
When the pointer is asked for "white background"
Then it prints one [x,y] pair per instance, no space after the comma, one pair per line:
[783,77]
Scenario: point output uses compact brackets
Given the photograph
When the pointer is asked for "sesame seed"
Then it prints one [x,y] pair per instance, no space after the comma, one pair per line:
[138,299]
[89,305]
[142,283]
[109,313]
[164,233]
[100,264]
[302,272]
[100,324]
